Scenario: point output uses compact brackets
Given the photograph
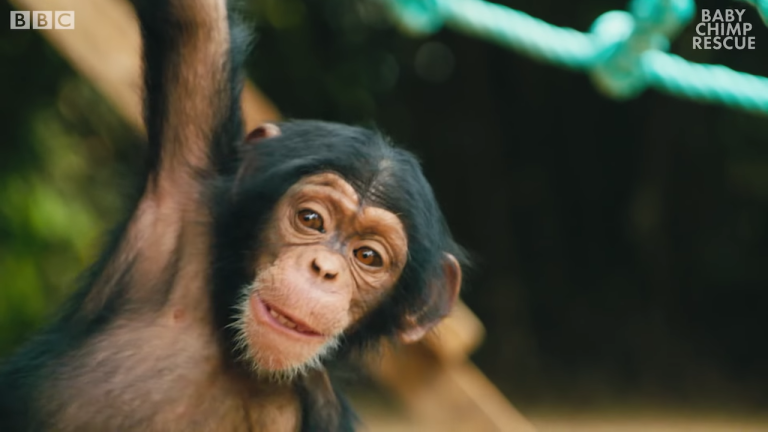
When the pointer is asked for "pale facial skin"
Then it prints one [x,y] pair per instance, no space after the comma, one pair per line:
[326,261]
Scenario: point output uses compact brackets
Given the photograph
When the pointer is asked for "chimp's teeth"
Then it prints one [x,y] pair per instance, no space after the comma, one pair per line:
[290,324]
[282,319]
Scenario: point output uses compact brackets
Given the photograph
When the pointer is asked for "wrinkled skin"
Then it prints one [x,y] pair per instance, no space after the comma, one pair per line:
[311,276]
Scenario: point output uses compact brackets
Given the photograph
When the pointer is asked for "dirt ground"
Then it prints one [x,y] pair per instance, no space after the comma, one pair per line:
[646,424]
[629,424]
[384,417]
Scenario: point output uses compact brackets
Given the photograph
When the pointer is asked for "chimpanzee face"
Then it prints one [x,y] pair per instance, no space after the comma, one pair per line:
[337,237]
[325,260]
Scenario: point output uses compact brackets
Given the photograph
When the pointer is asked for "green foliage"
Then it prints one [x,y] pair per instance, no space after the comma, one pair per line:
[65,156]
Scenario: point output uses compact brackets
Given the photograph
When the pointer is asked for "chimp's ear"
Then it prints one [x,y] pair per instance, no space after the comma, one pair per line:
[265,131]
[443,293]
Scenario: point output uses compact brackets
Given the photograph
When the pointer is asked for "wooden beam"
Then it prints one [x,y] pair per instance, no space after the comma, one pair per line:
[446,397]
[105,47]
[457,336]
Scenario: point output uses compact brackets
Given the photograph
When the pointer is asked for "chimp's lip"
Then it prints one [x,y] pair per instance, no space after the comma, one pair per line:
[279,319]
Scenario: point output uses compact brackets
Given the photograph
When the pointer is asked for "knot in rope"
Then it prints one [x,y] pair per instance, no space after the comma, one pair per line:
[627,36]
[624,53]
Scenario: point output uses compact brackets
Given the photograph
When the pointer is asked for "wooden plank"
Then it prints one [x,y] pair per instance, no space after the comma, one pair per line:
[446,396]
[105,47]
[457,336]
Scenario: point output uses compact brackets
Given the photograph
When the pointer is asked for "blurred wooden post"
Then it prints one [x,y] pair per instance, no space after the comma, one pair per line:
[444,396]
[105,46]
[439,385]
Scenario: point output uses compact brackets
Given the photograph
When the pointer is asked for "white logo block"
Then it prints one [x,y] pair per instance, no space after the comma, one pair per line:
[20,20]
[42,20]
[64,20]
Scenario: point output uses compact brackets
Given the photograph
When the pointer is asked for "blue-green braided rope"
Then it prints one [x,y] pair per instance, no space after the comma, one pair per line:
[624,52]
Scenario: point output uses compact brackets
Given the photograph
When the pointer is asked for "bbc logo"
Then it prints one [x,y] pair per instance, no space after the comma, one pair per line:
[56,20]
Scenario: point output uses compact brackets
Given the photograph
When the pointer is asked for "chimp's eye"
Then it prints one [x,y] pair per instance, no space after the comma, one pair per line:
[311,219]
[368,257]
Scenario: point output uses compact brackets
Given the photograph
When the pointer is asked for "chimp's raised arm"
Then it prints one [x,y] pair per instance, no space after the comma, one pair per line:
[246,266]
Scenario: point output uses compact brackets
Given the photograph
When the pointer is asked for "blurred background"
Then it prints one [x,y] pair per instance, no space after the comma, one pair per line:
[621,248]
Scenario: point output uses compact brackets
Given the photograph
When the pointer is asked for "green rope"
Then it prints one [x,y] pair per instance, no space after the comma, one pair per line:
[624,52]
